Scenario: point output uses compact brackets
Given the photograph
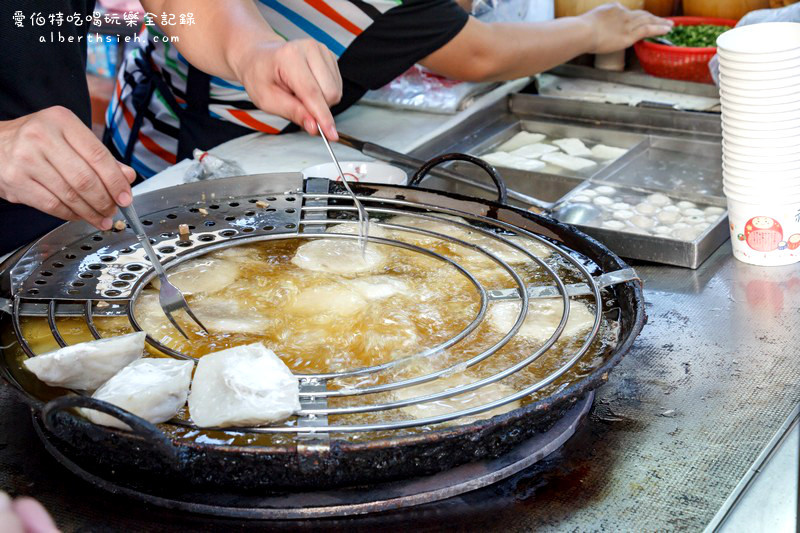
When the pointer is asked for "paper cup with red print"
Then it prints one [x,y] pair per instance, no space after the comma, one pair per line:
[764,233]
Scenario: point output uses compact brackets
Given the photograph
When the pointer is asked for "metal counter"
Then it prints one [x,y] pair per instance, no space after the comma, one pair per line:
[713,376]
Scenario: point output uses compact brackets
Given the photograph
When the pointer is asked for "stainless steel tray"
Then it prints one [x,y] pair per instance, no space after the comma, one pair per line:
[673,152]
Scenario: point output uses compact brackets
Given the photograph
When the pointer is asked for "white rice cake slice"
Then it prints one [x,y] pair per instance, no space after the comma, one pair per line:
[467,400]
[336,256]
[152,388]
[573,147]
[601,151]
[542,319]
[534,151]
[87,365]
[217,313]
[502,159]
[242,386]
[345,298]
[205,274]
[519,140]
[373,230]
[567,161]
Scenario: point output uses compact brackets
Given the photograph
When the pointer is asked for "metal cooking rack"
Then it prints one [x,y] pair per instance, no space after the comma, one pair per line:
[103,273]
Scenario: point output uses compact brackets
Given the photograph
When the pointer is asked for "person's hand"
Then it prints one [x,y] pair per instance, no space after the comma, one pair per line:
[51,161]
[24,515]
[298,80]
[615,27]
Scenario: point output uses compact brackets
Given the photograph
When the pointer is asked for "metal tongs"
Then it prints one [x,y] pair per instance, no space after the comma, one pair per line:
[363,217]
[169,297]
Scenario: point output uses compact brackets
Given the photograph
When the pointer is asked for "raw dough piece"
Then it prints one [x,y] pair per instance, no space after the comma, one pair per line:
[684,204]
[671,209]
[589,192]
[693,212]
[502,159]
[242,386]
[694,219]
[668,217]
[712,218]
[373,230]
[202,275]
[662,230]
[219,314]
[573,147]
[643,222]
[713,210]
[519,140]
[601,151]
[680,225]
[603,200]
[605,189]
[542,318]
[623,214]
[659,199]
[336,256]
[613,224]
[87,365]
[686,234]
[581,198]
[645,208]
[534,151]
[153,388]
[621,206]
[567,161]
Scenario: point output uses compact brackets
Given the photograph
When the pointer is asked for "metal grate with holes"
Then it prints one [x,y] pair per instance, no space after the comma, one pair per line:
[102,274]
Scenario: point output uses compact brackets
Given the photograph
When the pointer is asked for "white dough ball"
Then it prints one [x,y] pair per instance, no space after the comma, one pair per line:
[712,218]
[643,222]
[589,192]
[713,210]
[603,200]
[659,199]
[605,189]
[581,198]
[671,209]
[668,217]
[646,208]
[621,206]
[613,224]
[662,230]
[686,234]
[623,214]
[692,212]
[683,204]
[680,225]
[695,219]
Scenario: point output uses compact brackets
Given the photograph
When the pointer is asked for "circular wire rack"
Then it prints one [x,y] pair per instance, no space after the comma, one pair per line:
[102,274]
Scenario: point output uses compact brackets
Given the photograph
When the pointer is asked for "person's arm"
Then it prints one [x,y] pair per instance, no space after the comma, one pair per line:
[504,51]
[298,80]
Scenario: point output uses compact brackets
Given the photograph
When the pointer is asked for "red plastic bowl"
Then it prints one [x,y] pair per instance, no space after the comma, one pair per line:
[680,62]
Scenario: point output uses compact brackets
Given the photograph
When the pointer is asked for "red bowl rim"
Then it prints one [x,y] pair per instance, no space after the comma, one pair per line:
[688,21]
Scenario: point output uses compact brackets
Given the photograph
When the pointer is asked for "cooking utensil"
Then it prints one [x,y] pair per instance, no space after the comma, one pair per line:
[169,297]
[363,218]
[571,213]
[305,455]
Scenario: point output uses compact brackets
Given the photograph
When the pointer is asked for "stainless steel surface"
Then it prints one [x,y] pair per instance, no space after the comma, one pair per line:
[311,212]
[676,153]
[637,79]
[711,379]
[363,217]
[169,297]
[766,499]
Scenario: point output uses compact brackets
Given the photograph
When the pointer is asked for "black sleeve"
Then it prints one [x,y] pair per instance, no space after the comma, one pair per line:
[395,41]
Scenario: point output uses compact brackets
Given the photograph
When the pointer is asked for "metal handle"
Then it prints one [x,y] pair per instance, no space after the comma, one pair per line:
[390,156]
[502,191]
[138,425]
[141,235]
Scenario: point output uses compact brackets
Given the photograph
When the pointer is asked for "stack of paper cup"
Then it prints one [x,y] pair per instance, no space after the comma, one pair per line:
[759,69]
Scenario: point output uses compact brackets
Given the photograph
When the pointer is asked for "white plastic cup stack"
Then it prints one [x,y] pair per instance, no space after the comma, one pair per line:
[759,68]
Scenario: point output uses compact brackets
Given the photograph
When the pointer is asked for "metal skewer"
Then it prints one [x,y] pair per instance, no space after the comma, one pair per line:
[169,297]
[363,217]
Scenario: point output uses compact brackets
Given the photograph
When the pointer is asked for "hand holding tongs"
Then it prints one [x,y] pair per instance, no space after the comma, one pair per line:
[169,297]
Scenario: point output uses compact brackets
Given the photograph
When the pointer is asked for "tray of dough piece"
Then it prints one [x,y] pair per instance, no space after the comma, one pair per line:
[664,163]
